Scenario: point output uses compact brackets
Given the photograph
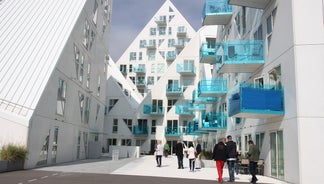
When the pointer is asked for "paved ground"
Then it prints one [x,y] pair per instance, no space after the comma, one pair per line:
[141,170]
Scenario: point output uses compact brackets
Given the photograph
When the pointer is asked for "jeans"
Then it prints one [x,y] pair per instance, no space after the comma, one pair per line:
[180,161]
[192,164]
[231,169]
[253,170]
[159,160]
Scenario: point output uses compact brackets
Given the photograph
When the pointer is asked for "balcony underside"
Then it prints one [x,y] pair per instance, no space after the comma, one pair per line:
[239,67]
[257,115]
[217,19]
[211,94]
[173,94]
[259,4]
[210,59]
[187,73]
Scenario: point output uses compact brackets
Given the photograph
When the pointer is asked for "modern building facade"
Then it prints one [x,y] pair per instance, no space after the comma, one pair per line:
[270,50]
[54,56]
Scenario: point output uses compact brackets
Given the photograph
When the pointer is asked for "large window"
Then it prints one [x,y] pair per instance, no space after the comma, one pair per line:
[112,103]
[61,97]
[162,30]
[259,137]
[152,31]
[79,63]
[54,145]
[129,124]
[126,142]
[277,154]
[275,77]
[171,103]
[132,56]
[153,127]
[270,25]
[84,108]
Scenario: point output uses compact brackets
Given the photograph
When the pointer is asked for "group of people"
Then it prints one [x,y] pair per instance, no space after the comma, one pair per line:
[227,152]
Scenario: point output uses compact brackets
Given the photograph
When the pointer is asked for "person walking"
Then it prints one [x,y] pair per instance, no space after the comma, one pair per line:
[159,153]
[198,151]
[253,156]
[191,157]
[179,153]
[166,149]
[231,157]
[220,155]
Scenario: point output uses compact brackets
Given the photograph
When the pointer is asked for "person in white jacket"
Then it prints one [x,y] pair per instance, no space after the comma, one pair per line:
[159,153]
[191,157]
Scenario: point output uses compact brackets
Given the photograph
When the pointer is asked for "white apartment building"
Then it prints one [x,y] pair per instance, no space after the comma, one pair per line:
[272,53]
[53,61]
[155,47]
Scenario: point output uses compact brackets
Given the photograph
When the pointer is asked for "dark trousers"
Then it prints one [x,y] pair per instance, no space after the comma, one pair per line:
[253,170]
[192,164]
[180,161]
[231,169]
[159,160]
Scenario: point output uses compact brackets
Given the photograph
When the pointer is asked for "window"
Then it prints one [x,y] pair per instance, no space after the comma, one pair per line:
[270,25]
[171,103]
[259,137]
[126,142]
[152,31]
[123,69]
[98,86]
[132,79]
[54,145]
[238,22]
[139,142]
[151,55]
[258,82]
[130,68]
[111,142]
[86,34]
[85,143]
[79,64]
[95,13]
[246,139]
[129,124]
[171,42]
[140,56]
[170,9]
[132,56]
[157,106]
[88,76]
[239,143]
[160,68]
[153,68]
[79,145]
[275,77]
[258,34]
[142,44]
[84,108]
[162,30]
[150,80]
[97,112]
[61,97]
[112,103]
[170,31]
[161,41]
[115,126]
[277,154]
[153,127]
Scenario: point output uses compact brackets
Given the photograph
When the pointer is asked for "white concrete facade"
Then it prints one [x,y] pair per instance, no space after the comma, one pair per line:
[54,64]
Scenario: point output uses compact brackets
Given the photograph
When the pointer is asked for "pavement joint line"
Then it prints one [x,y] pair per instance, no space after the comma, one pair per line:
[44,177]
[32,180]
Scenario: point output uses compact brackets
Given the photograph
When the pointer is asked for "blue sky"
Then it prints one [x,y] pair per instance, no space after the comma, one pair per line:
[130,16]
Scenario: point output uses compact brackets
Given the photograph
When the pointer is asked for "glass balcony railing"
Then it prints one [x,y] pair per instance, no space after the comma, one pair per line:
[214,87]
[173,89]
[186,69]
[214,121]
[216,12]
[140,83]
[259,4]
[139,69]
[208,53]
[140,130]
[202,100]
[183,110]
[153,109]
[252,101]
[239,56]
[172,131]
[196,107]
[192,128]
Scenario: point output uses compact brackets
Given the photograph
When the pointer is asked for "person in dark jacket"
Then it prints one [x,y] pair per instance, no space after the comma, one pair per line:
[253,156]
[231,157]
[220,155]
[179,153]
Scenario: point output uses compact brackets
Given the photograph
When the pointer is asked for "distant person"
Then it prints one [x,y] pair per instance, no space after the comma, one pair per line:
[191,157]
[231,157]
[166,150]
[253,156]
[179,153]
[159,153]
[198,151]
[220,155]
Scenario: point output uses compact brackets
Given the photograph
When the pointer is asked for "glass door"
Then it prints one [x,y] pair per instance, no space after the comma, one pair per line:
[277,154]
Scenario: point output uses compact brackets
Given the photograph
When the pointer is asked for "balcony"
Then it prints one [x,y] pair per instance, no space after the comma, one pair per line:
[192,128]
[214,121]
[259,4]
[183,110]
[140,83]
[216,12]
[180,44]
[208,53]
[139,69]
[196,107]
[214,87]
[240,56]
[161,21]
[173,90]
[153,109]
[151,46]
[172,131]
[251,101]
[182,32]
[186,69]
[140,130]
[202,100]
